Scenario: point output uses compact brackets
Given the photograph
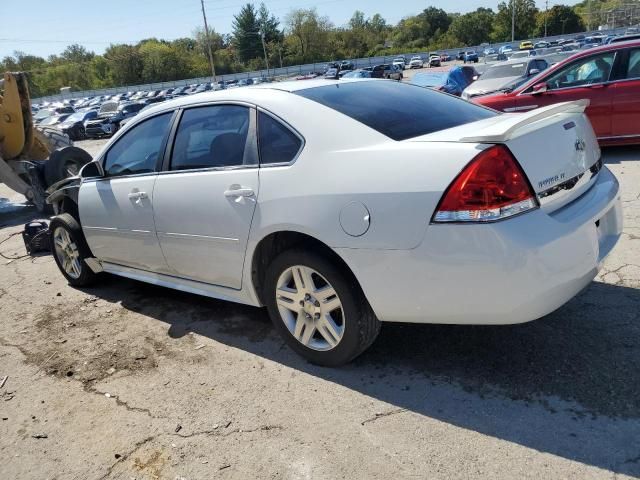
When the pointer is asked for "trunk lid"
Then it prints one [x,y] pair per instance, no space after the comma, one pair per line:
[555,146]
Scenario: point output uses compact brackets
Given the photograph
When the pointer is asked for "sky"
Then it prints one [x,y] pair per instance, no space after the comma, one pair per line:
[45,27]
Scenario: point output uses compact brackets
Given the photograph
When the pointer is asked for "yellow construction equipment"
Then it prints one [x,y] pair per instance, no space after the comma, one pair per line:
[26,151]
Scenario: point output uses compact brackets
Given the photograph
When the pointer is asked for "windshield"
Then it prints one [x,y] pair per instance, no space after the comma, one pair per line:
[505,71]
[43,114]
[358,74]
[407,112]
[76,117]
[109,107]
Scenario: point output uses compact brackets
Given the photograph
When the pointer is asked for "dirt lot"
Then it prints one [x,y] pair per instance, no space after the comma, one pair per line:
[127,380]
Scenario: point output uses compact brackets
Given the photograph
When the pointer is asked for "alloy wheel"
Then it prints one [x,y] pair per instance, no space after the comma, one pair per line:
[310,308]
[67,253]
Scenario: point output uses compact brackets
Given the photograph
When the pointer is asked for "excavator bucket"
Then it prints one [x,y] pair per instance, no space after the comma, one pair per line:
[15,116]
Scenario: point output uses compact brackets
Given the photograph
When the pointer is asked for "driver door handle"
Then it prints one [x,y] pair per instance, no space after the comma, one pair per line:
[238,191]
[138,195]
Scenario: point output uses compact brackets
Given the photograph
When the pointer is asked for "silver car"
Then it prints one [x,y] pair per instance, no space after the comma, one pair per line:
[505,76]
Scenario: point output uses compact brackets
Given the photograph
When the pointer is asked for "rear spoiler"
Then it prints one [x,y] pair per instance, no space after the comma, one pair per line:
[509,125]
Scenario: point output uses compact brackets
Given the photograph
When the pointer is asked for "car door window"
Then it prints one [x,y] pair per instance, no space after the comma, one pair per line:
[277,143]
[541,65]
[210,137]
[633,69]
[138,150]
[587,71]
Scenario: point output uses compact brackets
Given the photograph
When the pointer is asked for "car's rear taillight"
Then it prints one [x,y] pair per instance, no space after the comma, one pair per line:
[491,187]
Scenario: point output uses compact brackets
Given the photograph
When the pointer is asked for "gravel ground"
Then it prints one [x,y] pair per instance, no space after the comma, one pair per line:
[128,380]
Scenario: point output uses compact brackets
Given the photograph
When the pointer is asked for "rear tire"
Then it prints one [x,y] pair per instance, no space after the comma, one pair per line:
[70,250]
[351,326]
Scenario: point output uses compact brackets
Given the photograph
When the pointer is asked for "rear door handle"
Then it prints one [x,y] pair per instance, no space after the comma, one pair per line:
[238,191]
[137,196]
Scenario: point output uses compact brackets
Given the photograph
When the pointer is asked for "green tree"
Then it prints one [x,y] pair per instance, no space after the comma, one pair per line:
[308,35]
[560,20]
[378,24]
[76,54]
[269,25]
[125,64]
[435,21]
[472,28]
[160,62]
[525,24]
[246,37]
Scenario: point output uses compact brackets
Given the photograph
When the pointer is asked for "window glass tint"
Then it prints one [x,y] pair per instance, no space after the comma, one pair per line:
[210,137]
[633,70]
[137,151]
[277,143]
[397,110]
[583,72]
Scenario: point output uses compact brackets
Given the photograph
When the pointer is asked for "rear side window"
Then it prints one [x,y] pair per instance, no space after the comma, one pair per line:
[211,137]
[397,110]
[277,143]
[633,70]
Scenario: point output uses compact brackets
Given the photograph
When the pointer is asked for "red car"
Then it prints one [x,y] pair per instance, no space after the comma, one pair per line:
[609,76]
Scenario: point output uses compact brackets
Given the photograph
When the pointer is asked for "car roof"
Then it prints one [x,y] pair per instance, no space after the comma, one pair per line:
[245,94]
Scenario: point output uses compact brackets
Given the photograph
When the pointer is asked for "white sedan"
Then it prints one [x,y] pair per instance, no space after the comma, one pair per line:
[416,62]
[338,212]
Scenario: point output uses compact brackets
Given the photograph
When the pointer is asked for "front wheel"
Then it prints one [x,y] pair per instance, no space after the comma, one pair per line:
[70,250]
[318,308]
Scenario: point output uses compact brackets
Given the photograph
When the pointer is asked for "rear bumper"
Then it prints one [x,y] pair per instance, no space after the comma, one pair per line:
[502,273]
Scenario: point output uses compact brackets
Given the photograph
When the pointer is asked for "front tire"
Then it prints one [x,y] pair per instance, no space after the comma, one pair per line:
[318,308]
[70,250]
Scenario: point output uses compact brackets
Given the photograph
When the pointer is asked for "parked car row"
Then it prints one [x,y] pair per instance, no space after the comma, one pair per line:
[103,115]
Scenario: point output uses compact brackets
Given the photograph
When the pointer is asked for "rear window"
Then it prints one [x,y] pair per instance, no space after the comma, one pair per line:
[397,110]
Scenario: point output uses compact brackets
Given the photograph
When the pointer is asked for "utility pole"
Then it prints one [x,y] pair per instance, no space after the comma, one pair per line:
[546,15]
[206,32]
[513,20]
[264,49]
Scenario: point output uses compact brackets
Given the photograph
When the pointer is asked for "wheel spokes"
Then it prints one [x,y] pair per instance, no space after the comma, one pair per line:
[302,279]
[331,332]
[304,329]
[328,299]
[287,298]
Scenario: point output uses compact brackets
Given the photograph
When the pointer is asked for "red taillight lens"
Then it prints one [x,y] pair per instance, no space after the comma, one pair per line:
[491,187]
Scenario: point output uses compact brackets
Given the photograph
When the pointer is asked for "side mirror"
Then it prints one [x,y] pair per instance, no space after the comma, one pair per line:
[475,77]
[91,170]
[539,88]
[534,71]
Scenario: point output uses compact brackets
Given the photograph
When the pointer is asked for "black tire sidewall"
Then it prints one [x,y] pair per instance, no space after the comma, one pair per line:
[66,221]
[350,296]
